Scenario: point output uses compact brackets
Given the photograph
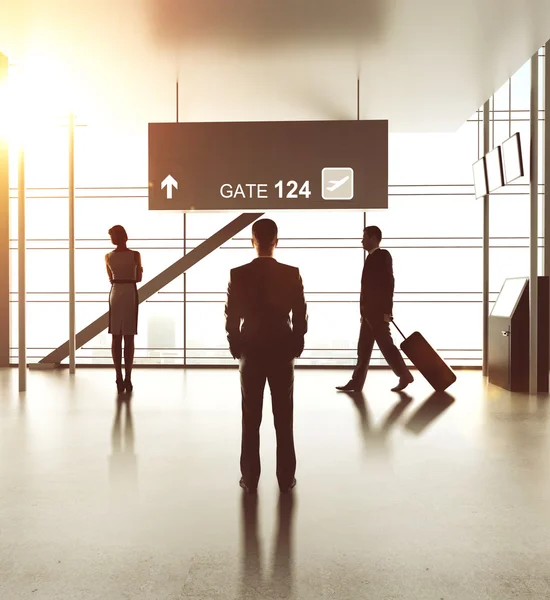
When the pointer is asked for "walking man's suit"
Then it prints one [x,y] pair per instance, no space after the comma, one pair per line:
[376,304]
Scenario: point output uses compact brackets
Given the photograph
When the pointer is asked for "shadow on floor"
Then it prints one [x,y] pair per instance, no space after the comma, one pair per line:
[429,411]
[432,409]
[252,578]
[377,438]
[123,460]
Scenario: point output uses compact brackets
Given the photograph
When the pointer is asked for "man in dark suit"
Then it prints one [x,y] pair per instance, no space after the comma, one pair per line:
[377,284]
[262,294]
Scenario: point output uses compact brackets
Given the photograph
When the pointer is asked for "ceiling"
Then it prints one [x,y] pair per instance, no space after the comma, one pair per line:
[426,65]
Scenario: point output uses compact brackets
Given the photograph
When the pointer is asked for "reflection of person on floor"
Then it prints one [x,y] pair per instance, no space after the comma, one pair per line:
[377,438]
[376,303]
[124,270]
[123,461]
[262,294]
[281,574]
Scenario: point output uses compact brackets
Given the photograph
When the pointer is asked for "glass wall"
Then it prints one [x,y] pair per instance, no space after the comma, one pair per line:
[433,228]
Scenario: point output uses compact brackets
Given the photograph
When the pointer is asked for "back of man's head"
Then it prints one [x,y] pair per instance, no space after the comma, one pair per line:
[264,233]
[373,231]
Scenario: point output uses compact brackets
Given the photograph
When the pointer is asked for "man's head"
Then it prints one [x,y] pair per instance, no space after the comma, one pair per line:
[372,236]
[264,236]
[118,235]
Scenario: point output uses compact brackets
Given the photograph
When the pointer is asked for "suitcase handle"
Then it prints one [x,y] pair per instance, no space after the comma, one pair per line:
[398,329]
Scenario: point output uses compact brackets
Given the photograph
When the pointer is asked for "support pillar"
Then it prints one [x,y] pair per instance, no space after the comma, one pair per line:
[4,224]
[533,238]
[22,287]
[546,145]
[485,299]
[72,292]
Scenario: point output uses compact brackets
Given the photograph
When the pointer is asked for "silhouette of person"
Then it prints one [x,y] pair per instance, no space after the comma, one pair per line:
[262,294]
[124,270]
[376,302]
[252,579]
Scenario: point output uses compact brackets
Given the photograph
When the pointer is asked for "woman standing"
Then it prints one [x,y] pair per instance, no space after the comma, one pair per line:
[124,270]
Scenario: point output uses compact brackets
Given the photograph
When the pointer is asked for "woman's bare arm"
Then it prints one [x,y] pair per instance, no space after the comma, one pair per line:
[109,272]
[139,268]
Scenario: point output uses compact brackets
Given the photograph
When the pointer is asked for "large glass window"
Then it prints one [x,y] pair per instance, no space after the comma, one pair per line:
[433,228]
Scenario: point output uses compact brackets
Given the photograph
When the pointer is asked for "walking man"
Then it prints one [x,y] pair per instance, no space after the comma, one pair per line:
[377,285]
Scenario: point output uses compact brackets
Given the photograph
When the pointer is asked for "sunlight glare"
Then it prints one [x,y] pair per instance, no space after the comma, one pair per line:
[37,97]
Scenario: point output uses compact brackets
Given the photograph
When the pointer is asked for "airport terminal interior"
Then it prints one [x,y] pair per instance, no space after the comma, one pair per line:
[186,122]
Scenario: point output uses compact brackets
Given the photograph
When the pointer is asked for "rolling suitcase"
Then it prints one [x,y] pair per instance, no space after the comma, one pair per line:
[437,372]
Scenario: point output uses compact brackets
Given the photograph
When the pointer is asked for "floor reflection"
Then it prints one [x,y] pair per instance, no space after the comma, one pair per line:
[123,460]
[377,438]
[432,409]
[252,578]
[462,513]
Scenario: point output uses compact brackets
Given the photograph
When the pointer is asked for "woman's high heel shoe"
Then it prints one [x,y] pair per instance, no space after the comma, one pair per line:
[120,386]
[128,385]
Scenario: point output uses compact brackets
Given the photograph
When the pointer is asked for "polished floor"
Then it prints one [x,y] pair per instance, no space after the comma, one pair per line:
[398,497]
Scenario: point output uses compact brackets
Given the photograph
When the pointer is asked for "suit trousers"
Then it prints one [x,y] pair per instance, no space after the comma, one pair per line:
[255,370]
[375,329]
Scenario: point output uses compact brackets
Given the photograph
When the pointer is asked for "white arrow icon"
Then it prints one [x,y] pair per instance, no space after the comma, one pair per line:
[169,183]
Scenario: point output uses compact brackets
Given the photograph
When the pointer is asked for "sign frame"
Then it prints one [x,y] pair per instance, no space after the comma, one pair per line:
[266,165]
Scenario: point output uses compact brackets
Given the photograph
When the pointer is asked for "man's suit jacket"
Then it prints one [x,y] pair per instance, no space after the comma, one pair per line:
[377,284]
[262,294]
